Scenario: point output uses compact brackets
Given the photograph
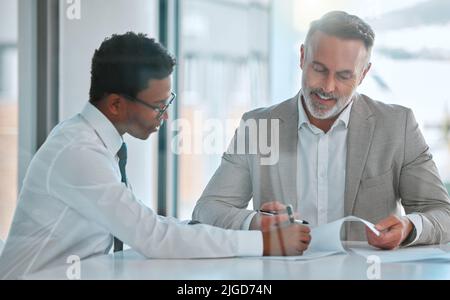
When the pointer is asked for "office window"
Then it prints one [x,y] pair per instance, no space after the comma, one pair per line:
[411,58]
[224,60]
[8,114]
[83,29]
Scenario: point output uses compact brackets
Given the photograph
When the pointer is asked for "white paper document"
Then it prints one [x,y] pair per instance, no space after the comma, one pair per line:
[325,240]
[403,254]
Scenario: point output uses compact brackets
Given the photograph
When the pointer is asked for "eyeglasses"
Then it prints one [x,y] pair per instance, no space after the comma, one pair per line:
[161,110]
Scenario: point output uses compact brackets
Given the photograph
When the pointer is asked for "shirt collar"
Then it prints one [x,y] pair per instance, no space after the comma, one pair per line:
[344,117]
[103,127]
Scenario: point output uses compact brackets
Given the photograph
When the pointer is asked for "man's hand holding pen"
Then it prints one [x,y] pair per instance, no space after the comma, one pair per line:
[274,214]
[282,233]
[264,220]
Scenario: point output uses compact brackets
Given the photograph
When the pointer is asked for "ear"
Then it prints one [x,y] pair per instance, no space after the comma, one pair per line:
[366,70]
[115,105]
[302,56]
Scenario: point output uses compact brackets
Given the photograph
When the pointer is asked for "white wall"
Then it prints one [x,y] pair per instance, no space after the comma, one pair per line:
[8,58]
[8,17]
[78,40]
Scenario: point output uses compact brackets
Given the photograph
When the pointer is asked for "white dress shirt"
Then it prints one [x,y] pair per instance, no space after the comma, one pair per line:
[73,202]
[321,168]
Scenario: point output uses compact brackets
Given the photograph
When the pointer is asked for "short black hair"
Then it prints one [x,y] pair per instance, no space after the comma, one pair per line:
[125,63]
[343,25]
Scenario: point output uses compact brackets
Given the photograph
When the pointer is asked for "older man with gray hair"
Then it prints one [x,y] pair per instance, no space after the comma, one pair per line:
[341,153]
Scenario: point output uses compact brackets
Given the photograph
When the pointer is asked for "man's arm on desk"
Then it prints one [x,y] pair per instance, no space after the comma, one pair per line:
[421,189]
[224,201]
[423,196]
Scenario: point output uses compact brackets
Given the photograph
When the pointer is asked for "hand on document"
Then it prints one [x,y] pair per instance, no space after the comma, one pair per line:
[281,236]
[326,240]
[288,240]
[393,231]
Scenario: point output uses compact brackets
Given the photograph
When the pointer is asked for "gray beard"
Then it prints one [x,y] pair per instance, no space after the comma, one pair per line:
[315,109]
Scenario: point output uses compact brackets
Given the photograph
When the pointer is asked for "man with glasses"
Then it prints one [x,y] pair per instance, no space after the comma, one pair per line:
[76,199]
[159,109]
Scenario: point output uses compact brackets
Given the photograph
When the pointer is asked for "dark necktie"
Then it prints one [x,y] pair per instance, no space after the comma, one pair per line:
[122,154]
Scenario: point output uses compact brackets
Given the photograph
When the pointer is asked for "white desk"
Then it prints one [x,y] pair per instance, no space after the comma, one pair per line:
[130,265]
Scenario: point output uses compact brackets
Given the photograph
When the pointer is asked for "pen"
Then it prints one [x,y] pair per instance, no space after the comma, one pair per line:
[274,213]
[268,212]
[290,212]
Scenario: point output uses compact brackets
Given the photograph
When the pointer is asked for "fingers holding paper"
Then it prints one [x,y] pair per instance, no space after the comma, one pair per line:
[393,231]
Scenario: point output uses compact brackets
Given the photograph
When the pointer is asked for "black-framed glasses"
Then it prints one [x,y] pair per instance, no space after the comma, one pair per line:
[161,110]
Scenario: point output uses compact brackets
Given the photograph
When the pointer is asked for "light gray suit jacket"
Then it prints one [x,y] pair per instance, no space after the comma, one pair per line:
[388,165]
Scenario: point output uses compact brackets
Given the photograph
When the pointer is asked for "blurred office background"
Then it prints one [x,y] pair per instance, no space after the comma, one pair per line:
[233,56]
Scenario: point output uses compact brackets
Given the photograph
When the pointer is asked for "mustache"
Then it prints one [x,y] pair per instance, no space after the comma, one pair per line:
[324,94]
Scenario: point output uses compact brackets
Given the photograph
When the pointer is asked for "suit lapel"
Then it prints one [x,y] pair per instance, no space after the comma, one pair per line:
[360,134]
[286,174]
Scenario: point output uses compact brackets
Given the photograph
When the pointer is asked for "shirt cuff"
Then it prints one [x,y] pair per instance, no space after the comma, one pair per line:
[250,243]
[417,222]
[248,221]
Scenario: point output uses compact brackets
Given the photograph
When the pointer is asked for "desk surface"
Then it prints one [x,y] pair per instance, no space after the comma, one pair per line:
[131,265]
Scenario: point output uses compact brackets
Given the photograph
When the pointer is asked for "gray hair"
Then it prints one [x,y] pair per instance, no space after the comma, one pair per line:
[345,26]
